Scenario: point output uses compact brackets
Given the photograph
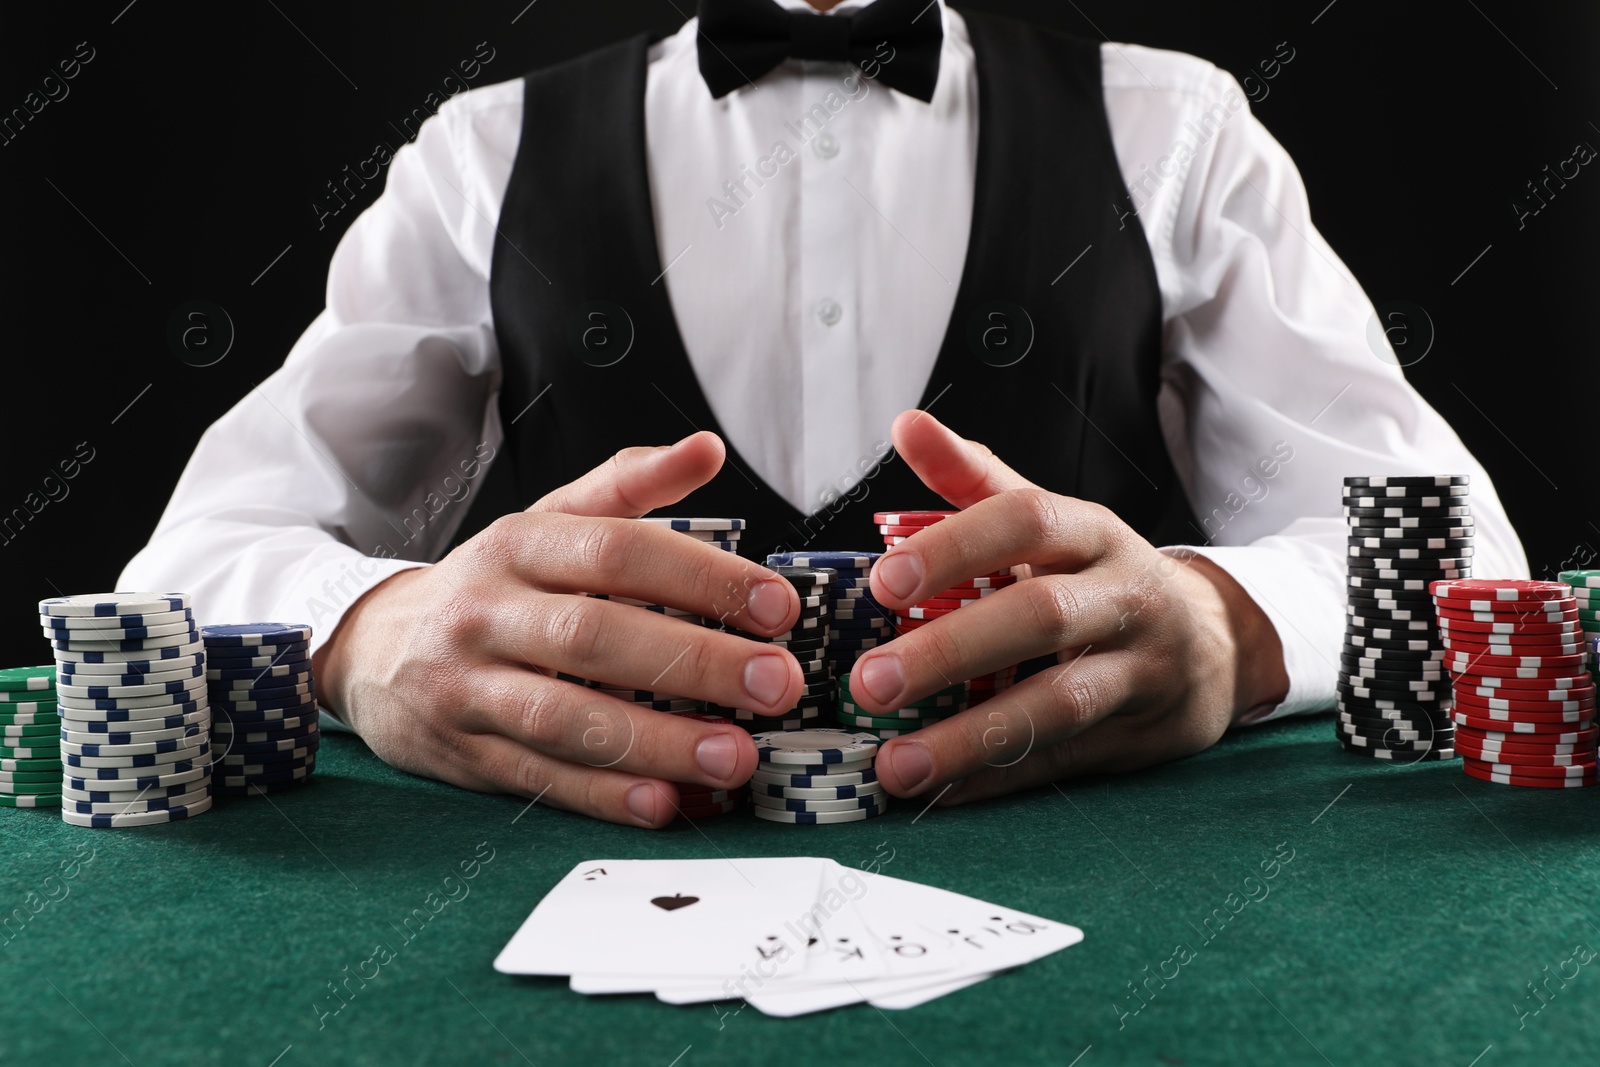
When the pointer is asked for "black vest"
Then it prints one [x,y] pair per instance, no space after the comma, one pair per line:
[1057,372]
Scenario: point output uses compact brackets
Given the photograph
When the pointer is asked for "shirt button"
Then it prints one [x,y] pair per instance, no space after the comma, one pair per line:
[829,312]
[826,146]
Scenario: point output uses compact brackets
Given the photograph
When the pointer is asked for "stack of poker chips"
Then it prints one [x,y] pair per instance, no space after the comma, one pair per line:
[702,802]
[808,777]
[937,707]
[1586,592]
[30,738]
[807,641]
[718,533]
[896,526]
[859,622]
[264,730]
[1393,692]
[135,721]
[1524,707]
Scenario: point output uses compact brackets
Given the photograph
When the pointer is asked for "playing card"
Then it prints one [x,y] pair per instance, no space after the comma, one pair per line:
[969,938]
[712,919]
[840,947]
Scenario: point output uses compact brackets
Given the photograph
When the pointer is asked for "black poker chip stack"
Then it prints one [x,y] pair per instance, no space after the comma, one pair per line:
[807,641]
[1393,696]
[721,533]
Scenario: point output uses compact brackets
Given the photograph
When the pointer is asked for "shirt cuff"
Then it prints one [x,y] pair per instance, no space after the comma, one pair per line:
[1301,590]
[322,594]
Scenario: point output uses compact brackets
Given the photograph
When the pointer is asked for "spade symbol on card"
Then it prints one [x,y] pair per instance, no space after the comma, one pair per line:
[673,903]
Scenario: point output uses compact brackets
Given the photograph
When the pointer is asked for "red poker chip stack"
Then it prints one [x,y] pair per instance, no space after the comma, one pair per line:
[702,802]
[1524,698]
[896,526]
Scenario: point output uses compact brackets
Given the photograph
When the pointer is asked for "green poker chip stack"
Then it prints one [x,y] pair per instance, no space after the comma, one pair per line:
[914,716]
[30,738]
[1586,587]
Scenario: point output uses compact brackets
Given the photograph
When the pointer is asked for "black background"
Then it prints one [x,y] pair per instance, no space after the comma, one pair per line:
[188,152]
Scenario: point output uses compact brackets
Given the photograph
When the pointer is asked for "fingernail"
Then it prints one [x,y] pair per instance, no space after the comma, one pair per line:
[769,603]
[911,765]
[642,802]
[717,755]
[882,679]
[900,573]
[766,679]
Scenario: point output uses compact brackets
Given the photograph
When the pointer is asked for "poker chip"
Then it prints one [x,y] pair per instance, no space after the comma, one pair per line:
[127,807]
[1465,700]
[28,680]
[30,800]
[1476,770]
[1450,623]
[840,561]
[1509,751]
[1577,579]
[1501,590]
[1542,765]
[1521,688]
[815,818]
[856,774]
[918,519]
[138,818]
[1537,770]
[839,792]
[873,802]
[1483,662]
[1514,727]
[1405,515]
[815,747]
[1401,534]
[114,604]
[252,635]
[694,525]
[1406,481]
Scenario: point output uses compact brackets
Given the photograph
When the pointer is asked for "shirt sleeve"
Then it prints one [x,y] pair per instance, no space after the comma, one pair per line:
[1277,384]
[357,459]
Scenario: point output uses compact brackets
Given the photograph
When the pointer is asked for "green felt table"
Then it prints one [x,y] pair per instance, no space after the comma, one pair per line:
[1417,907]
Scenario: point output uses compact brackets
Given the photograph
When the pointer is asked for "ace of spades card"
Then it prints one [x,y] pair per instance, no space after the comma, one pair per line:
[693,918]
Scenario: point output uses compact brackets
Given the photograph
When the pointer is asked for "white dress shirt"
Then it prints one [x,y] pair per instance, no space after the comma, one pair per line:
[812,307]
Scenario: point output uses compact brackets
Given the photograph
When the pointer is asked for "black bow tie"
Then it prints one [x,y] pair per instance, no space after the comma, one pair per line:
[895,42]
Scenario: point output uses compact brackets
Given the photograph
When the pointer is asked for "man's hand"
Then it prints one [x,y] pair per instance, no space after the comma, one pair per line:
[448,671]
[1156,655]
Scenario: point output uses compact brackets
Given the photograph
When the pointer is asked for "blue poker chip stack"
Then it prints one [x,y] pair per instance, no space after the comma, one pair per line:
[134,723]
[264,733]
[857,622]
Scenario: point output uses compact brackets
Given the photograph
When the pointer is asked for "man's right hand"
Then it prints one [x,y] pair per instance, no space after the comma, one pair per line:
[449,671]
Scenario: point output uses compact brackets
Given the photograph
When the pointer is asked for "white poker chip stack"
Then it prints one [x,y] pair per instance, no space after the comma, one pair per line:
[135,736]
[813,777]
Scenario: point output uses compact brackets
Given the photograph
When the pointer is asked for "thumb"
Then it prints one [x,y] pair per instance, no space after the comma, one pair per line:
[963,472]
[639,480]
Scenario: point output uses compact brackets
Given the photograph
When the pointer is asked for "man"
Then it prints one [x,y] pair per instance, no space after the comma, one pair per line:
[805,238]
